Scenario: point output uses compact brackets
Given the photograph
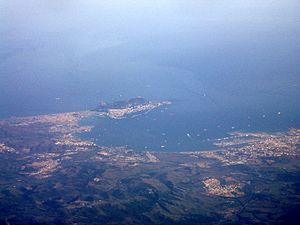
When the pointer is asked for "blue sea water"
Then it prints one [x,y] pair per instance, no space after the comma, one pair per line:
[225,65]
[172,129]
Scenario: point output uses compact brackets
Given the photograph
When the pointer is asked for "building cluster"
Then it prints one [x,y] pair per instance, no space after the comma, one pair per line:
[123,155]
[43,169]
[69,140]
[213,187]
[123,112]
[252,148]
[4,148]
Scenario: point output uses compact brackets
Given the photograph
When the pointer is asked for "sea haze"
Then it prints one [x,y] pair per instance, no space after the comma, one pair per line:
[225,65]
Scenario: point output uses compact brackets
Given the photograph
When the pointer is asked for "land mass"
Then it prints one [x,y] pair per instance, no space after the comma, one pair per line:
[133,106]
[50,176]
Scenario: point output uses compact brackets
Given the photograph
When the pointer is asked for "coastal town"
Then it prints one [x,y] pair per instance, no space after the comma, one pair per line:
[122,113]
[252,148]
